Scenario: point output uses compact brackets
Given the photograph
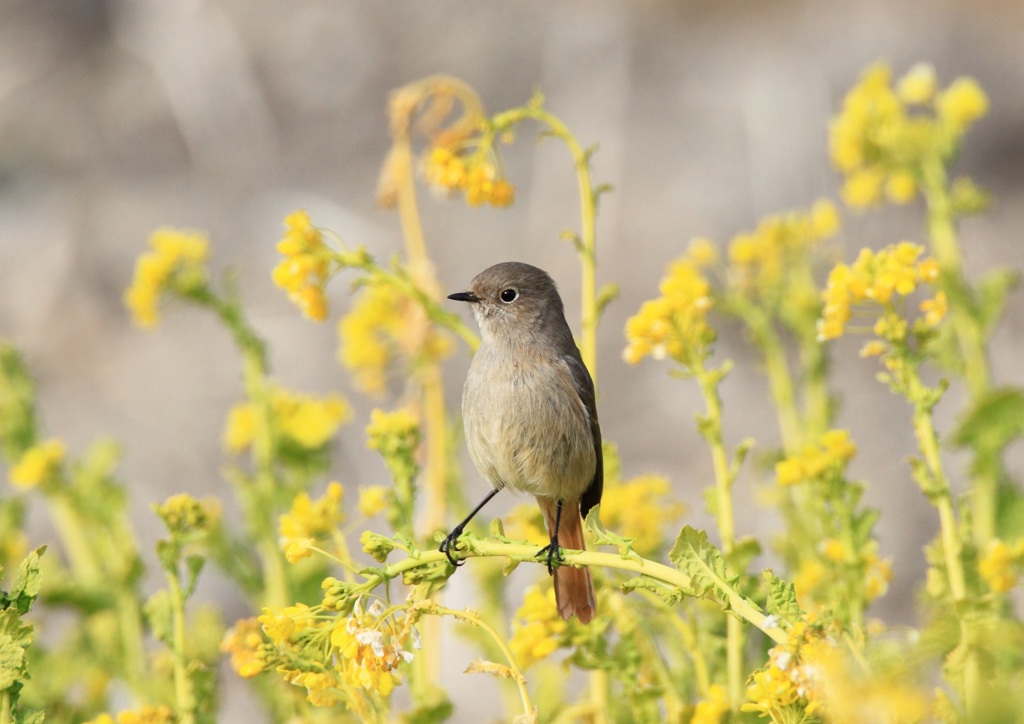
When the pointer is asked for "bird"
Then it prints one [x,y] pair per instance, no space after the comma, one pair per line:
[530,417]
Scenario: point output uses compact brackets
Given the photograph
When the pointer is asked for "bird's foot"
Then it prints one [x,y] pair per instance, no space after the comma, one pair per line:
[450,545]
[554,554]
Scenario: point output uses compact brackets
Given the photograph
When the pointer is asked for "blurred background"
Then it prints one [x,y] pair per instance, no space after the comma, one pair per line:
[119,116]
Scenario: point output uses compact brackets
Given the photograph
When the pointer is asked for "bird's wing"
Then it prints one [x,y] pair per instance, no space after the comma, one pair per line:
[584,386]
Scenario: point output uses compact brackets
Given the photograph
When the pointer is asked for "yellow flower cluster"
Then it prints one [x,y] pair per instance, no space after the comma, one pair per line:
[391,433]
[308,520]
[370,646]
[304,270]
[811,679]
[883,135]
[675,324]
[473,173]
[815,579]
[877,277]
[373,499]
[382,325]
[148,714]
[177,260]
[537,630]
[996,566]
[303,419]
[639,509]
[762,260]
[38,464]
[711,709]
[245,644]
[183,514]
[791,682]
[831,453]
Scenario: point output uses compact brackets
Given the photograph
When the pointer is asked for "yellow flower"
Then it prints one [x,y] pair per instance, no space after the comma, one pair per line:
[281,624]
[834,550]
[373,499]
[962,103]
[874,277]
[831,452]
[148,714]
[702,251]
[790,471]
[245,644]
[472,172]
[176,260]
[38,464]
[863,187]
[917,87]
[308,520]
[102,719]
[675,324]
[877,576]
[369,648]
[240,428]
[304,271]
[309,421]
[537,628]
[771,692]
[900,187]
[996,566]
[872,349]
[711,709]
[184,514]
[399,429]
[935,309]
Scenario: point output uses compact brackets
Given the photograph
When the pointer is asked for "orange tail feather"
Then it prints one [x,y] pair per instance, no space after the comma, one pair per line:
[574,588]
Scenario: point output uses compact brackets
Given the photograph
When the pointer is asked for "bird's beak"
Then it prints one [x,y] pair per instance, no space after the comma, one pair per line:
[464,297]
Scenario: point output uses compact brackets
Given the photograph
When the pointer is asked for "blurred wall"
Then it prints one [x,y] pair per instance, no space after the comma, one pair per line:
[119,116]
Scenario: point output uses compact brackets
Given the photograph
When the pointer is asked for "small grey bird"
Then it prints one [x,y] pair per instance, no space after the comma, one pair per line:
[530,417]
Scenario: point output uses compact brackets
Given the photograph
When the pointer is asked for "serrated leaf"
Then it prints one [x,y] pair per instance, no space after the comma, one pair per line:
[28,582]
[15,637]
[693,554]
[669,595]
[781,599]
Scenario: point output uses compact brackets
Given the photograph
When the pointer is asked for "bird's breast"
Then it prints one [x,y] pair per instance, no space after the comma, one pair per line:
[526,427]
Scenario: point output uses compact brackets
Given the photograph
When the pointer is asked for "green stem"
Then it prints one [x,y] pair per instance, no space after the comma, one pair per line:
[517,673]
[587,241]
[712,430]
[522,552]
[184,696]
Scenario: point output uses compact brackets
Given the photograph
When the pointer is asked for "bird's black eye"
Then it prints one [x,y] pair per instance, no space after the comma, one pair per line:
[508,295]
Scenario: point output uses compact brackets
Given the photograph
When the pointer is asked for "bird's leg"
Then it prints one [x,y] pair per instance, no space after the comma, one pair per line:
[451,543]
[552,549]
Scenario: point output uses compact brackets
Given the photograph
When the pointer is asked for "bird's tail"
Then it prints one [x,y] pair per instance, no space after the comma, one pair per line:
[574,589]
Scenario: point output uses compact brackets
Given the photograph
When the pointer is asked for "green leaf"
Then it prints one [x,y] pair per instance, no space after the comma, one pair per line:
[668,594]
[995,420]
[28,582]
[694,555]
[15,637]
[604,537]
[194,565]
[992,294]
[781,597]
[160,614]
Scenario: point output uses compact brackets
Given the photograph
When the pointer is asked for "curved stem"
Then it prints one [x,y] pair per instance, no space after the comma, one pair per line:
[517,674]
